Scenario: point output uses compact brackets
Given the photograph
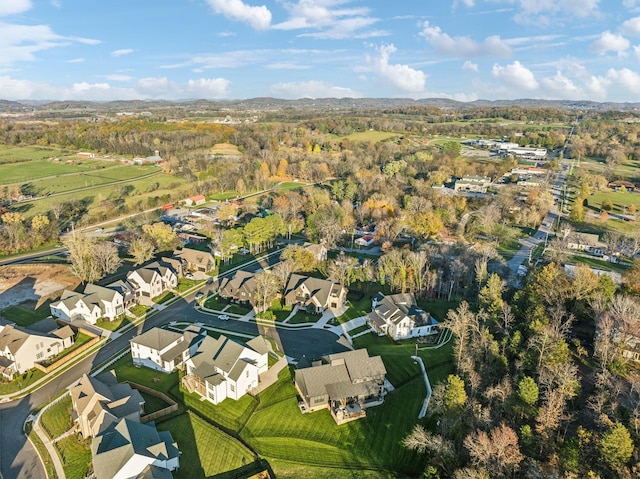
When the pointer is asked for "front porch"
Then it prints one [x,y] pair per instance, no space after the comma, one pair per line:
[194,384]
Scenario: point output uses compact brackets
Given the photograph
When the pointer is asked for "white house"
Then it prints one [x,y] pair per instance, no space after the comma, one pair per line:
[128,449]
[399,317]
[152,280]
[195,200]
[365,241]
[20,349]
[94,303]
[223,368]
[475,184]
[165,350]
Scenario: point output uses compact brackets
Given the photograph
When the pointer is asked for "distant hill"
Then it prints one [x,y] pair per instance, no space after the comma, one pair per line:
[83,108]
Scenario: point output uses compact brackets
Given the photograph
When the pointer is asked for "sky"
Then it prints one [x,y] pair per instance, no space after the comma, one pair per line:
[105,50]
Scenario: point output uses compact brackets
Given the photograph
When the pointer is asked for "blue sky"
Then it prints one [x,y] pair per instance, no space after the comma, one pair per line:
[234,49]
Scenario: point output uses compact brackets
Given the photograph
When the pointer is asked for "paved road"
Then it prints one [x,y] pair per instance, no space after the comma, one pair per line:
[19,460]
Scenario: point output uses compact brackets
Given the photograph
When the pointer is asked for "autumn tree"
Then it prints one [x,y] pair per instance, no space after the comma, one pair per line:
[161,235]
[498,451]
[141,250]
[106,254]
[84,263]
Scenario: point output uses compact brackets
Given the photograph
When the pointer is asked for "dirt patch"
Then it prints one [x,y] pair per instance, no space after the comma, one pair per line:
[33,282]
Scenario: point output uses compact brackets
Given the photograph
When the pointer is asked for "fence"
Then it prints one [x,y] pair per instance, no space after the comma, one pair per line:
[68,357]
[173,406]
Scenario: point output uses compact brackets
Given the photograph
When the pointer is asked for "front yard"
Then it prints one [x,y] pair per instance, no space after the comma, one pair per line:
[26,314]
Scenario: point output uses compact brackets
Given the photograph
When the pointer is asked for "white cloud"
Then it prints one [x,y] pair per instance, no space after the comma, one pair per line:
[561,87]
[631,26]
[327,16]
[545,12]
[56,3]
[469,65]
[464,46]
[287,66]
[633,5]
[208,88]
[515,75]
[610,42]
[401,77]
[154,87]
[636,52]
[258,17]
[466,3]
[76,60]
[20,42]
[12,7]
[122,52]
[311,89]
[625,79]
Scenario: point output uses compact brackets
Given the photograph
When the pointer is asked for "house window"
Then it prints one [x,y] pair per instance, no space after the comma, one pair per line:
[39,355]
[318,400]
[247,373]
[232,387]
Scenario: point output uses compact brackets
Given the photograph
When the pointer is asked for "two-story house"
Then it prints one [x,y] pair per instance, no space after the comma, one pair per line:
[400,317]
[99,402]
[164,349]
[223,368]
[94,303]
[128,449]
[195,260]
[20,348]
[240,288]
[314,295]
[345,383]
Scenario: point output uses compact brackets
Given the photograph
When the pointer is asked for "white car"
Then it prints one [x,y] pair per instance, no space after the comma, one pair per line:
[224,317]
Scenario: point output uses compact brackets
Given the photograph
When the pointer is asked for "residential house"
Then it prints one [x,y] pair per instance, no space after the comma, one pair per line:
[128,449]
[195,260]
[588,242]
[365,241]
[152,280]
[345,383]
[223,368]
[318,251]
[98,403]
[125,290]
[20,348]
[399,317]
[240,288]
[164,349]
[475,184]
[94,303]
[619,184]
[314,295]
[195,200]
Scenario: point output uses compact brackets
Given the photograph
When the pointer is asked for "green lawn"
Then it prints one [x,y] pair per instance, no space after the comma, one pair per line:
[304,318]
[20,382]
[600,264]
[362,307]
[186,284]
[206,451]
[280,311]
[438,308]
[81,340]
[164,297]
[508,249]
[32,170]
[214,302]
[139,309]
[75,454]
[278,430]
[26,314]
[620,200]
[115,324]
[126,371]
[238,309]
[57,419]
[152,403]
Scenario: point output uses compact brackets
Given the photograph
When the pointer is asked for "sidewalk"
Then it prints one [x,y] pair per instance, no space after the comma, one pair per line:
[48,444]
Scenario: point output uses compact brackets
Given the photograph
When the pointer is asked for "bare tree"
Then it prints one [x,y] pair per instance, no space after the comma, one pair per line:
[106,253]
[142,250]
[267,287]
[497,451]
[84,264]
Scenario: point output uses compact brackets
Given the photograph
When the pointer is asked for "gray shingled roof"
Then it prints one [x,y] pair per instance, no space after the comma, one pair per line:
[156,338]
[117,444]
[223,353]
[395,307]
[319,289]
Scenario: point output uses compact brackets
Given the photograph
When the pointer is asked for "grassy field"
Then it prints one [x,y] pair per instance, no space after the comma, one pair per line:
[620,199]
[57,419]
[157,185]
[215,453]
[355,309]
[370,136]
[301,445]
[22,153]
[225,149]
[152,403]
[26,314]
[75,454]
[115,324]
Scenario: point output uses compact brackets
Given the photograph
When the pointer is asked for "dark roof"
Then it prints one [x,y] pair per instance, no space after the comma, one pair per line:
[319,290]
[395,307]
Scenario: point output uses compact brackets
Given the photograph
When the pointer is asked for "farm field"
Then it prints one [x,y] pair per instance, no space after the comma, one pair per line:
[31,170]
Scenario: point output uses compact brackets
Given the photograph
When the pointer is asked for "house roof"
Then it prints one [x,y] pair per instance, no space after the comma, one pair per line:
[116,445]
[194,256]
[154,472]
[588,239]
[12,339]
[119,400]
[222,354]
[352,373]
[198,198]
[396,307]
[156,338]
[319,290]
[241,281]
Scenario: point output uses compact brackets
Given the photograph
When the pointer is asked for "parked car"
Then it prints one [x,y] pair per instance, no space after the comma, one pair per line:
[224,317]
[188,276]
[199,294]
